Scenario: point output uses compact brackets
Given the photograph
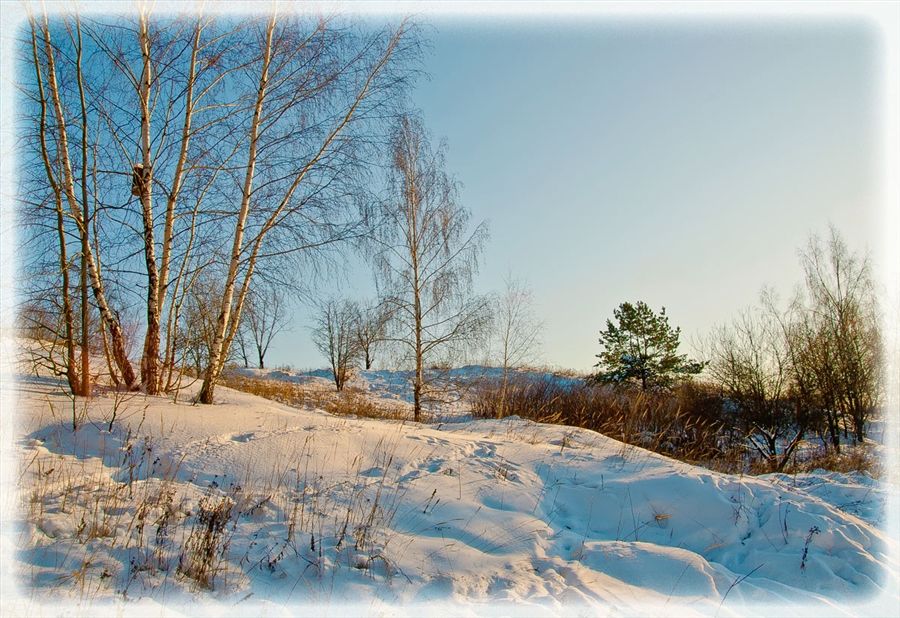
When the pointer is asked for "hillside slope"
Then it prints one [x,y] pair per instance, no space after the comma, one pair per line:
[251,507]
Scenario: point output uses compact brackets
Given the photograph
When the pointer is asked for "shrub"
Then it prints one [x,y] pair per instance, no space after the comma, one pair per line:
[344,403]
[282,391]
[351,402]
[858,459]
[206,547]
[681,423]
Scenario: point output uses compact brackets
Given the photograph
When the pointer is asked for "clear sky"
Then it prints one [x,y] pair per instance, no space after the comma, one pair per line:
[681,161]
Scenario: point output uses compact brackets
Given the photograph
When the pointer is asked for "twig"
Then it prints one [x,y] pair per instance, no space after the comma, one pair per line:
[735,583]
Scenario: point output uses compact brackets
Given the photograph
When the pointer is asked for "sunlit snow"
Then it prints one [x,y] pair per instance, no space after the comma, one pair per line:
[342,515]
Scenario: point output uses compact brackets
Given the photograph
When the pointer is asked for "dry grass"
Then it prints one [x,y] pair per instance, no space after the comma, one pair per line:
[129,525]
[357,403]
[681,424]
[207,544]
[851,459]
[282,391]
[686,423]
[348,402]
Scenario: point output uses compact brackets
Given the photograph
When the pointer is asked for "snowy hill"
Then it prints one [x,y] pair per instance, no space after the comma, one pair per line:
[395,387]
[250,507]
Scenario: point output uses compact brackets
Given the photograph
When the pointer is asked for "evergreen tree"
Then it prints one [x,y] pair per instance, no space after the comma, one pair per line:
[641,348]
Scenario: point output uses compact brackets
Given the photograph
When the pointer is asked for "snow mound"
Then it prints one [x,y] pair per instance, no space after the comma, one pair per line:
[250,507]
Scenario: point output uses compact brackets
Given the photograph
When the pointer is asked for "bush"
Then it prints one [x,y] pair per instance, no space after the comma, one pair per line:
[852,459]
[341,403]
[207,545]
[282,391]
[682,423]
[350,402]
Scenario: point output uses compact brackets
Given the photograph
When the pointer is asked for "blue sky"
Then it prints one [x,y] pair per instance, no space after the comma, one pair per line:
[679,161]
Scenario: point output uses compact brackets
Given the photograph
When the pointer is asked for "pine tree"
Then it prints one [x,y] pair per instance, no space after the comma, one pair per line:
[642,349]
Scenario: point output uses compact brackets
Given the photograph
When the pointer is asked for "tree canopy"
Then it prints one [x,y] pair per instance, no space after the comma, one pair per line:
[641,348]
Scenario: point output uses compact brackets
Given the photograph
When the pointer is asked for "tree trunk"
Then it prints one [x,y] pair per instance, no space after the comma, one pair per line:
[216,360]
[177,183]
[85,309]
[150,356]
[417,392]
[120,354]
[834,430]
[420,368]
[85,389]
[859,425]
[229,316]
[72,378]
[503,386]
[786,456]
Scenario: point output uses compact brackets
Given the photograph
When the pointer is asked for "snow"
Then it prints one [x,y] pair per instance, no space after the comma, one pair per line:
[342,515]
[449,387]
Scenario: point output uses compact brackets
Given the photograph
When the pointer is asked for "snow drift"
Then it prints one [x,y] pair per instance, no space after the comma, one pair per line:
[251,507]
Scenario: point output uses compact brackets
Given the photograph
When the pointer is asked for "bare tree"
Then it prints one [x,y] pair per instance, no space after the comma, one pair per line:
[334,334]
[251,131]
[64,177]
[159,64]
[751,363]
[310,87]
[816,366]
[427,257]
[517,330]
[265,316]
[151,143]
[178,70]
[802,346]
[371,328]
[198,321]
[842,335]
[243,346]
[38,318]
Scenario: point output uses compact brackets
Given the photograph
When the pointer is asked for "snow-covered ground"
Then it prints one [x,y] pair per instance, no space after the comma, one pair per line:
[250,507]
[449,388]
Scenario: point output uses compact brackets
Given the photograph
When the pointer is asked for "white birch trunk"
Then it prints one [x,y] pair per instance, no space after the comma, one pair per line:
[109,319]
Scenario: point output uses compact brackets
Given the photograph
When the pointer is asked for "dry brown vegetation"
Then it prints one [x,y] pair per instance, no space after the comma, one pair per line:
[353,402]
[689,423]
[281,391]
[859,459]
[681,424]
[344,403]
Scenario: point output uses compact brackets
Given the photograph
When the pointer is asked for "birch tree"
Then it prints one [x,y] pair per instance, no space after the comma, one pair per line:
[239,141]
[74,188]
[176,69]
[43,318]
[427,258]
[517,330]
[311,88]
